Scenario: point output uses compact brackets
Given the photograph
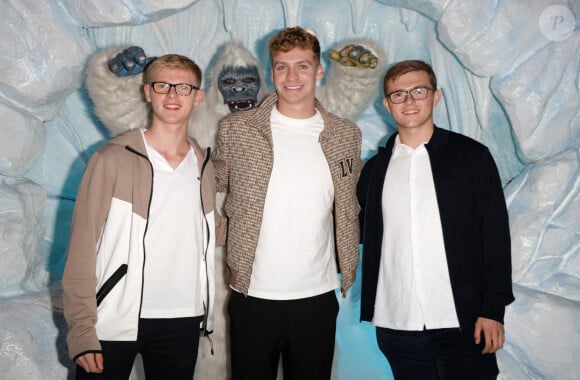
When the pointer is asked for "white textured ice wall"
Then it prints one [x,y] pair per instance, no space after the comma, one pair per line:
[508,71]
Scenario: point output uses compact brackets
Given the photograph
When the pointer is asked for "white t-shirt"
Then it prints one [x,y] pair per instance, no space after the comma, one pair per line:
[173,241]
[414,290]
[295,256]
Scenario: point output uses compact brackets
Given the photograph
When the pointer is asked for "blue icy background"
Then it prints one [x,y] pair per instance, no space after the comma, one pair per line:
[509,74]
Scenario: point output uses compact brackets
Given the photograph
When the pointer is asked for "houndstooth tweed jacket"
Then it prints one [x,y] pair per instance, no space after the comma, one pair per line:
[243,162]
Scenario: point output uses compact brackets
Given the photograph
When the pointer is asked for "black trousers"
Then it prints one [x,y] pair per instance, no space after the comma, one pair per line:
[440,354]
[302,331]
[168,348]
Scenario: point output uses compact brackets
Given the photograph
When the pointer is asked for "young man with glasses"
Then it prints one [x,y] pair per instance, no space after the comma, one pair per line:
[139,271]
[290,170]
[436,272]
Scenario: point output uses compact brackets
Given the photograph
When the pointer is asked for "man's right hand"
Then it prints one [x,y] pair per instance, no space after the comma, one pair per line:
[130,61]
[92,362]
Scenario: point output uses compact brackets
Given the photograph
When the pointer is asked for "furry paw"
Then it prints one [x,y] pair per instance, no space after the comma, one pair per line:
[355,55]
[130,61]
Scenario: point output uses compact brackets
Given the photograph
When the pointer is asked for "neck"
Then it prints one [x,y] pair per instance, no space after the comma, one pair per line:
[171,142]
[413,137]
[299,111]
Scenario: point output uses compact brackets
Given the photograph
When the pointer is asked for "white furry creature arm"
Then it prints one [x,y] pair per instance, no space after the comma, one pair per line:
[354,78]
[118,101]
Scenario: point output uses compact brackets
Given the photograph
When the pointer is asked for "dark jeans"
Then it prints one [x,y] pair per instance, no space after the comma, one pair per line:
[168,348]
[440,354]
[301,330]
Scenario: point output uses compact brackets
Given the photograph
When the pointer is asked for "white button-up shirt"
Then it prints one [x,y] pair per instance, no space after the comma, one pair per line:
[414,290]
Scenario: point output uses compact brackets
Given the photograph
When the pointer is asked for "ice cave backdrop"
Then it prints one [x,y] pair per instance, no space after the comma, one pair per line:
[509,74]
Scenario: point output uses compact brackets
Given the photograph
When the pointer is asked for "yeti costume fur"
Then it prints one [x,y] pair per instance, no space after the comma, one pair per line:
[120,104]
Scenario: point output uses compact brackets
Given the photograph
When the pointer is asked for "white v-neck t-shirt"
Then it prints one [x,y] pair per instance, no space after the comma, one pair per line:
[173,241]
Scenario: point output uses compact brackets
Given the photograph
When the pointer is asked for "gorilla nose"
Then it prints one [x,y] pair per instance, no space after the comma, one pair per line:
[239,89]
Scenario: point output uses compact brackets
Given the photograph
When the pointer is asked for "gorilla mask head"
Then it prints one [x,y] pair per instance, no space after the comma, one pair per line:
[239,85]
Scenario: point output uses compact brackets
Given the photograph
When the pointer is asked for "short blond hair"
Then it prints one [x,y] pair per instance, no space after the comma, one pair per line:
[172,61]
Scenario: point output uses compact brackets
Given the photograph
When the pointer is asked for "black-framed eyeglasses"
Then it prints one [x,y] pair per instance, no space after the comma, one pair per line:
[417,93]
[182,89]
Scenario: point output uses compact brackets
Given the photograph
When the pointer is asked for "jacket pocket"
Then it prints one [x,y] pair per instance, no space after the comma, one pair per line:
[110,283]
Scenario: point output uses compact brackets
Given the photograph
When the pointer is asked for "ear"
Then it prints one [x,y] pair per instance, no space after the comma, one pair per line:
[147,90]
[199,97]
[319,72]
[436,97]
[387,105]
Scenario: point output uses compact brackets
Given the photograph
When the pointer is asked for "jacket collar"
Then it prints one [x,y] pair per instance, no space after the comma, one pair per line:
[133,139]
[438,139]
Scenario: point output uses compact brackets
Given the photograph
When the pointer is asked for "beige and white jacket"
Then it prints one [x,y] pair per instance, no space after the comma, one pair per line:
[103,277]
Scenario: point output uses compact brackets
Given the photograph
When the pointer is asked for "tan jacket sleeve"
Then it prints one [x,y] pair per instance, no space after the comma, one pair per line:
[79,278]
[221,228]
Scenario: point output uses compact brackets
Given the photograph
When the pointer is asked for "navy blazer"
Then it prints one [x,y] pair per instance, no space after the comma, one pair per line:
[474,221]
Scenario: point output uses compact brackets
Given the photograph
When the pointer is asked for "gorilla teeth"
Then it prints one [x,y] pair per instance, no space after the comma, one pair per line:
[241,105]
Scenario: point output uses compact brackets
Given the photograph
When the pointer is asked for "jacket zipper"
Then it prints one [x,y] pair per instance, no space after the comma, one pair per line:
[146,226]
[206,247]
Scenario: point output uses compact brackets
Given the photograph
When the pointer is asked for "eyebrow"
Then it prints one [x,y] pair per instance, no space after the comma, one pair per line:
[298,62]
[410,89]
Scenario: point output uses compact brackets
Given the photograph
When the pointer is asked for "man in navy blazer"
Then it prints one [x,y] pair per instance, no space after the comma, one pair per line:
[436,268]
